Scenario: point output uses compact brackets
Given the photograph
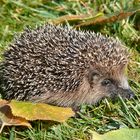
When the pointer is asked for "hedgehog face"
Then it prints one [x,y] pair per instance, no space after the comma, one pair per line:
[106,84]
[115,87]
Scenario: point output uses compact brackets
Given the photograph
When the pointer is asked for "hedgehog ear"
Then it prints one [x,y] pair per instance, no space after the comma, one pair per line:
[93,76]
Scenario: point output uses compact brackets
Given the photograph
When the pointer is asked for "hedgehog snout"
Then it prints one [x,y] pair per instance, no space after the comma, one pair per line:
[114,88]
[127,93]
[125,90]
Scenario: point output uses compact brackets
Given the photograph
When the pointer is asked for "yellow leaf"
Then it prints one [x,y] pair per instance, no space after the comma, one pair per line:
[19,112]
[40,111]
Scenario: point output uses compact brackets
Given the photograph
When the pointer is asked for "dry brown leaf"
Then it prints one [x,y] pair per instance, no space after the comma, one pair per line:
[105,19]
[7,118]
[93,19]
[67,18]
[3,103]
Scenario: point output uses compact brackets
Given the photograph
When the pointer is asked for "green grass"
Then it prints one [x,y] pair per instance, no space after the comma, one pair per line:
[16,15]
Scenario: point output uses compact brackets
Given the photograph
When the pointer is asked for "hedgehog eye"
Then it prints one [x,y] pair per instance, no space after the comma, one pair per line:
[106,82]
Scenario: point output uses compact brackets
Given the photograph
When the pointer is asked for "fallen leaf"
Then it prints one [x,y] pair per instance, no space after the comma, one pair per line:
[69,18]
[3,102]
[40,111]
[94,18]
[19,112]
[7,118]
[106,19]
[121,134]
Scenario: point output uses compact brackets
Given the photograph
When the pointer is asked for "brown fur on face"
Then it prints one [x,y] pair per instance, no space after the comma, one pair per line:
[92,89]
[108,83]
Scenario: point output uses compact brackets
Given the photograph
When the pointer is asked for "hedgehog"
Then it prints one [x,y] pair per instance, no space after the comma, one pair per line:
[62,66]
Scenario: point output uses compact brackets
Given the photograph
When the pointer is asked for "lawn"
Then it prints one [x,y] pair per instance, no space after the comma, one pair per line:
[118,18]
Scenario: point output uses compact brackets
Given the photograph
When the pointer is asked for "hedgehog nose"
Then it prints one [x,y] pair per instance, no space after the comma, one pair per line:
[131,94]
